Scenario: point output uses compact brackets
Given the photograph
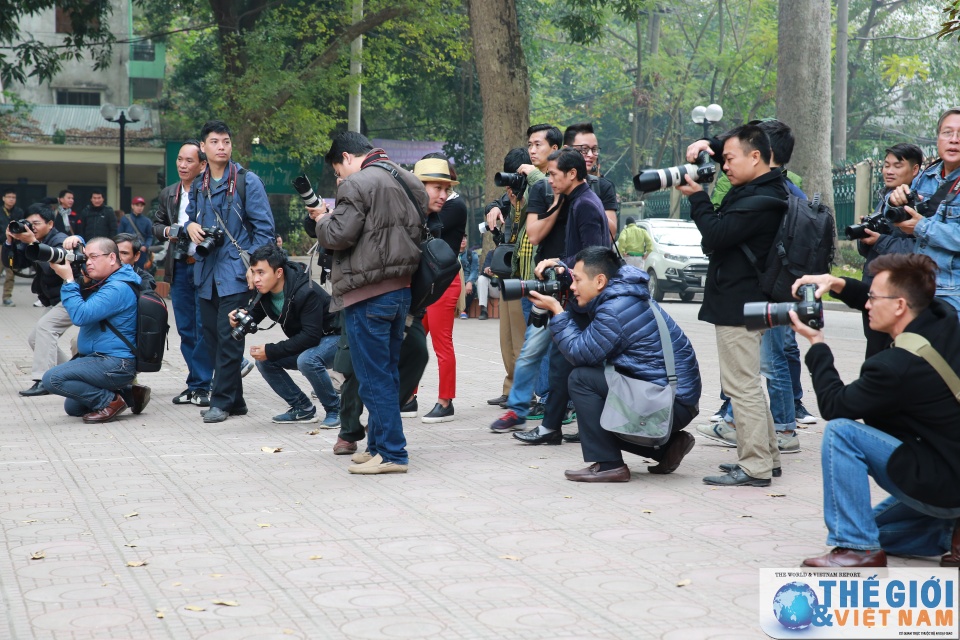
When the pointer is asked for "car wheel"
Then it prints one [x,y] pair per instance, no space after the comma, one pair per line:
[654,285]
[687,296]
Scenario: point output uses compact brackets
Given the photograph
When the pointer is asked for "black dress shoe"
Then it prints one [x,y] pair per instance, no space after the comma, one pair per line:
[533,437]
[591,474]
[36,390]
[727,467]
[140,398]
[679,446]
[498,400]
[572,438]
[214,414]
[236,411]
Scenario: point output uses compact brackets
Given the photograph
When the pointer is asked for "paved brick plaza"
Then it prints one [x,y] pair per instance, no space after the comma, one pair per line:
[482,539]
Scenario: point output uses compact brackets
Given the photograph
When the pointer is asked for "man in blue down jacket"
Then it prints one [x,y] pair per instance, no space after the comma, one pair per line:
[622,332]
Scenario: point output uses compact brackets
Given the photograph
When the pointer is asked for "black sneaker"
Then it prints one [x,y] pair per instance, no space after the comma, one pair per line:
[36,390]
[439,413]
[536,411]
[410,409]
[185,397]
[201,398]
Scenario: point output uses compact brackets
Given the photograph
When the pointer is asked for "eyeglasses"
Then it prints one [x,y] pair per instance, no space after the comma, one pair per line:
[949,134]
[584,149]
[95,256]
[872,296]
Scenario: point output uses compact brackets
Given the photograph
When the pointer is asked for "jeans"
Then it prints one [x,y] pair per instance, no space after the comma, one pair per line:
[542,387]
[775,367]
[313,364]
[900,524]
[792,351]
[89,383]
[186,312]
[526,371]
[560,368]
[375,332]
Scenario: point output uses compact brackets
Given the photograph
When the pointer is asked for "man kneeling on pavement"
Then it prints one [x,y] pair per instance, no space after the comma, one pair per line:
[623,332]
[908,397]
[104,367]
[287,295]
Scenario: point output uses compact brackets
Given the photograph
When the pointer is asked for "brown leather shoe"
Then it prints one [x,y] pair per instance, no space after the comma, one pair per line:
[952,557]
[108,413]
[680,447]
[139,397]
[841,557]
[344,448]
[590,474]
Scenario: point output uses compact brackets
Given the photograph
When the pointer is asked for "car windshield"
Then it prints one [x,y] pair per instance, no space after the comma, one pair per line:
[679,237]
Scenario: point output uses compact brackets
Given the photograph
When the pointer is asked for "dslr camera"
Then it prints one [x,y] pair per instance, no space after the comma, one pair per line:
[213,238]
[19,226]
[766,315]
[245,325]
[181,248]
[305,190]
[513,289]
[702,171]
[516,181]
[39,252]
[876,223]
[894,214]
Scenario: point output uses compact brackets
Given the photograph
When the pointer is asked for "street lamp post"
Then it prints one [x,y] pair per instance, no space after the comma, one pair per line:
[122,117]
[707,116]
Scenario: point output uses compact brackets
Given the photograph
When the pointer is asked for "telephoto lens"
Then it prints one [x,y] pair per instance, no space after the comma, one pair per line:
[758,316]
[305,190]
[656,179]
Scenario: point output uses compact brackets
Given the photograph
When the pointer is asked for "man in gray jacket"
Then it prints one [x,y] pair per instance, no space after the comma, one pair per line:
[375,233]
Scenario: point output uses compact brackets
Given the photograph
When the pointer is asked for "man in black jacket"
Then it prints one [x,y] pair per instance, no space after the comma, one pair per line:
[731,281]
[9,211]
[287,295]
[911,447]
[97,220]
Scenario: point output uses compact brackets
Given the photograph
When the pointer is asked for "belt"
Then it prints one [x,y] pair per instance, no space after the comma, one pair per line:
[188,260]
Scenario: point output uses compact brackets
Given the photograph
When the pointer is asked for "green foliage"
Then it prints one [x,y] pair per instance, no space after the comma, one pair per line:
[951,25]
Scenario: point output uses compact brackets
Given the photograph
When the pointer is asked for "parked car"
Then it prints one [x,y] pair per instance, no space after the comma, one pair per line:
[677,264]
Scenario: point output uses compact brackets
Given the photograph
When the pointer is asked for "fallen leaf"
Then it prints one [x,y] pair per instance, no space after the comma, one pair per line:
[129,545]
[315,558]
[777,495]
[86,533]
[744,516]
[193,607]
[315,432]
[38,555]
[28,521]
[263,525]
[160,613]
[219,575]
[271,449]
[177,584]
[131,515]
[533,466]
[684,582]
[541,457]
[288,632]
[227,603]
[137,563]
[568,497]
[646,511]
[511,558]
[297,503]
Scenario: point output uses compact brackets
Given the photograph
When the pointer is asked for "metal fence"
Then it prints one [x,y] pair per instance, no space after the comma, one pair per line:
[844,196]
[657,205]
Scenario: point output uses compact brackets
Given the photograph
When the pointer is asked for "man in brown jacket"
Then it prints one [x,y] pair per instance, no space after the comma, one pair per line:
[375,233]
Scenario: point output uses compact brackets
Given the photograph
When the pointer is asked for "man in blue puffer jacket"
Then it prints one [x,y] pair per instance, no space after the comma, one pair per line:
[92,381]
[622,332]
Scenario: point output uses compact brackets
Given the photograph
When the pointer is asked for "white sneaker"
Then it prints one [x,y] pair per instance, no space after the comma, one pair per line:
[720,432]
[788,443]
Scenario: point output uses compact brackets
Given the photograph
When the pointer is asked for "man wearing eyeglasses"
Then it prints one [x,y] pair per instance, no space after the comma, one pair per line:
[908,438]
[581,137]
[91,382]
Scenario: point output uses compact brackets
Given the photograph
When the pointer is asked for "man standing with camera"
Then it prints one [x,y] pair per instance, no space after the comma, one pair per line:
[910,448]
[288,296]
[726,231]
[45,336]
[229,215]
[9,211]
[170,223]
[375,233]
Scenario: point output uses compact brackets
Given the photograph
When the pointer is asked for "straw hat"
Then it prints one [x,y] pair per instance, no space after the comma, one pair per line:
[434,170]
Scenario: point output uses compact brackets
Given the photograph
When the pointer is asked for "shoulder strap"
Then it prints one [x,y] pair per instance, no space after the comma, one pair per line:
[133,224]
[666,344]
[920,346]
[241,187]
[109,325]
[396,176]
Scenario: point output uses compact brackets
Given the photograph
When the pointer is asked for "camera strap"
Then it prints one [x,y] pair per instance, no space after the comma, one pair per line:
[920,346]
[406,188]
[231,188]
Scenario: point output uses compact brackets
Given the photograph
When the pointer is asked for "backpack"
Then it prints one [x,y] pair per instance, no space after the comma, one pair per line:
[805,244]
[152,327]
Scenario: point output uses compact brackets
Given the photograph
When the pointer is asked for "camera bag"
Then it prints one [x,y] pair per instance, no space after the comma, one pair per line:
[638,411]
[152,326]
[439,264]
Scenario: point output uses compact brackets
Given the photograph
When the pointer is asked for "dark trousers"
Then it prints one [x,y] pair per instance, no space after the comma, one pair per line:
[588,388]
[876,341]
[560,369]
[226,392]
[413,361]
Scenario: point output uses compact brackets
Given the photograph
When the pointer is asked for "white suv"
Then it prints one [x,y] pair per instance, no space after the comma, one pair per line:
[677,263]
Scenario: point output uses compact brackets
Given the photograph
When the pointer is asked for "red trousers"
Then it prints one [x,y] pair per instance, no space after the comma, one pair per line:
[438,324]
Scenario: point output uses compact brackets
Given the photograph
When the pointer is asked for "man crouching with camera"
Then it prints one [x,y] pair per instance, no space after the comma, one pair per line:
[909,441]
[625,335]
[286,294]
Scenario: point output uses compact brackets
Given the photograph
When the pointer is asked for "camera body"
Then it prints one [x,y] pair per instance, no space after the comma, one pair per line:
[245,325]
[213,238]
[20,226]
[513,289]
[516,181]
[893,214]
[305,190]
[702,171]
[39,252]
[181,248]
[766,315]
[876,223]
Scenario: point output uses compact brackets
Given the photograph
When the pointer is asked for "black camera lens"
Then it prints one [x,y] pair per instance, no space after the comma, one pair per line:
[20,226]
[305,190]
[213,238]
[766,315]
[656,179]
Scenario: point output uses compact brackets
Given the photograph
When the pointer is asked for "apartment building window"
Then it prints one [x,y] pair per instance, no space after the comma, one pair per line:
[79,98]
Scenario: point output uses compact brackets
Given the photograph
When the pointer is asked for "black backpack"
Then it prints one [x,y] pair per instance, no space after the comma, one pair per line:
[805,244]
[152,327]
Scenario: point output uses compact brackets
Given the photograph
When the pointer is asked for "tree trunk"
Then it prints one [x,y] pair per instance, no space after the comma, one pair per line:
[803,89]
[840,86]
[504,84]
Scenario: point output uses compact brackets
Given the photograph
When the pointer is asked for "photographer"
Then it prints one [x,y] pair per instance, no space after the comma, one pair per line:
[908,440]
[178,268]
[93,381]
[900,167]
[9,211]
[302,308]
[622,332]
[229,215]
[726,231]
[938,187]
[45,336]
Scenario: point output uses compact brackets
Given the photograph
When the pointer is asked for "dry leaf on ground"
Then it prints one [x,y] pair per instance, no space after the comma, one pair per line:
[271,449]
[137,563]
[227,603]
[684,582]
[38,555]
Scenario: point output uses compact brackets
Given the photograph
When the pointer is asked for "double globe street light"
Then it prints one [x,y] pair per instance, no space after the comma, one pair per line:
[122,117]
[707,116]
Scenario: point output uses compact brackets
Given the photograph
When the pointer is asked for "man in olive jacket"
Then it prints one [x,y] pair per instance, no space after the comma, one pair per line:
[909,440]
[374,233]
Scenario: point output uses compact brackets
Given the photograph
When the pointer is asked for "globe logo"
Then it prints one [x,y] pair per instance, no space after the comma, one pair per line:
[794,605]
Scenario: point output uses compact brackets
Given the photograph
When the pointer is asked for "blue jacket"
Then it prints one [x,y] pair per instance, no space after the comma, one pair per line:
[471,267]
[140,226]
[114,301]
[939,235]
[250,220]
[623,332]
